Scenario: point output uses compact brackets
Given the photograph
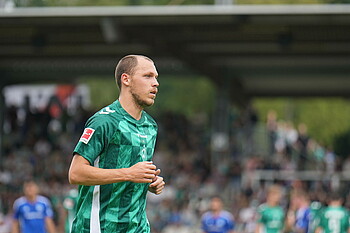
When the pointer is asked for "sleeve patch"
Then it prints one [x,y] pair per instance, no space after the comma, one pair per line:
[87,134]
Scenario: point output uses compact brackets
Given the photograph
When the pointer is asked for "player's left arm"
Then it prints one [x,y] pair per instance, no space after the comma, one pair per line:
[157,184]
[48,212]
[50,225]
[231,225]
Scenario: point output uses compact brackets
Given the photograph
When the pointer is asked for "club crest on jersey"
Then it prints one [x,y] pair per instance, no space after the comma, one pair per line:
[88,132]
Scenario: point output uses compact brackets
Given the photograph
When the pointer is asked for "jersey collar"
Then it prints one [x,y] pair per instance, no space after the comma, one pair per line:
[122,111]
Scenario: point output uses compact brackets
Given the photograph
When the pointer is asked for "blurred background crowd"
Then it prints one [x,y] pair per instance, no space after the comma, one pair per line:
[205,146]
[38,143]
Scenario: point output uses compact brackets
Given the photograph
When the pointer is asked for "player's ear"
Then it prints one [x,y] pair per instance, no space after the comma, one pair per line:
[125,79]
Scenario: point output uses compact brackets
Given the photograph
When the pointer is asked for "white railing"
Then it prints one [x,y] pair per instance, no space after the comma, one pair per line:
[256,176]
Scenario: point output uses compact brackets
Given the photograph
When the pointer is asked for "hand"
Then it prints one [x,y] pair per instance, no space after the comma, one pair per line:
[142,172]
[157,184]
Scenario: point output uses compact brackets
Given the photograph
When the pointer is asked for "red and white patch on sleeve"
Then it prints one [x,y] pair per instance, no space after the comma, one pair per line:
[85,138]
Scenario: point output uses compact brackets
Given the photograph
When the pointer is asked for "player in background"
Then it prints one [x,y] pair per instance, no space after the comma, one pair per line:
[112,162]
[334,218]
[316,209]
[69,205]
[299,213]
[271,214]
[32,212]
[217,220]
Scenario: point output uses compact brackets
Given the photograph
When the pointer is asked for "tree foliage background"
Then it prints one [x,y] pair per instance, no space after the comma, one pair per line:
[327,118]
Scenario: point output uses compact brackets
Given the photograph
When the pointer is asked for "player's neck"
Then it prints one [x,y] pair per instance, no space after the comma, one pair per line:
[131,107]
[31,198]
[216,212]
[304,205]
[272,203]
[335,204]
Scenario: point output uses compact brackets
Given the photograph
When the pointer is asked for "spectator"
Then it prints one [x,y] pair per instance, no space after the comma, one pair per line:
[302,143]
[271,126]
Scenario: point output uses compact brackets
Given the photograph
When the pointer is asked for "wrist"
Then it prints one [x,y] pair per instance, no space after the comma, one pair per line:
[124,174]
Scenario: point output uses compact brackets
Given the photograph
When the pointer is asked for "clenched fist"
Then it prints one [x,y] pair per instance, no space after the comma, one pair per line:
[157,184]
[142,172]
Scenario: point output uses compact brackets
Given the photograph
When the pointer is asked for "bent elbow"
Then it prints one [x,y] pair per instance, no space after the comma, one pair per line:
[73,178]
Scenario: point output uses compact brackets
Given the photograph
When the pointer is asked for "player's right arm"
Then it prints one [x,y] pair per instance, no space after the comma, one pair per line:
[15,226]
[82,173]
[259,228]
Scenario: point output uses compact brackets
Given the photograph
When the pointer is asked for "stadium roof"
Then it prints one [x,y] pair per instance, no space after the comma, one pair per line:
[255,50]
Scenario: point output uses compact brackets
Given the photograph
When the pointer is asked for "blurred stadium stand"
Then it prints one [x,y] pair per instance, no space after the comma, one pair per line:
[262,50]
[247,51]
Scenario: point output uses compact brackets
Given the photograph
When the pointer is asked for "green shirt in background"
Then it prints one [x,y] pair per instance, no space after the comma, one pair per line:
[69,204]
[113,139]
[315,211]
[335,220]
[272,218]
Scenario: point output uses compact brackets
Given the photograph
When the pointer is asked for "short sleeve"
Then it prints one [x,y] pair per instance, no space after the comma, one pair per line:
[204,222]
[48,209]
[16,210]
[231,222]
[260,214]
[92,140]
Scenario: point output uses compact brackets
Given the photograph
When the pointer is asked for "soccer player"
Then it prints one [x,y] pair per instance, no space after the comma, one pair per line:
[217,220]
[316,209]
[334,218]
[32,212]
[299,215]
[271,214]
[112,161]
[69,204]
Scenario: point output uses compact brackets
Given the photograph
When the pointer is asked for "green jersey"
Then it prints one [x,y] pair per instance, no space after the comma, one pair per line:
[315,215]
[69,203]
[113,139]
[271,217]
[335,220]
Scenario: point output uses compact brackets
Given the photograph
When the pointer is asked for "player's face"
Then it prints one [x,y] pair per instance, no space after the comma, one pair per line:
[275,197]
[30,189]
[295,202]
[216,204]
[144,83]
